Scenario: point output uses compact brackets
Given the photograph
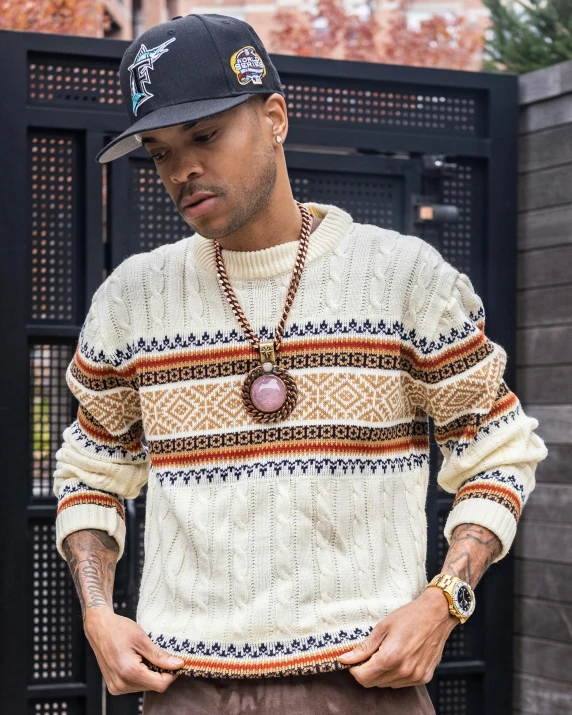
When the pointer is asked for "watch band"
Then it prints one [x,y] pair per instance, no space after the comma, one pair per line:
[443,580]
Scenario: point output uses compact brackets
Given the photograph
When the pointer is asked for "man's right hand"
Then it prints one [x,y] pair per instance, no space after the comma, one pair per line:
[120,645]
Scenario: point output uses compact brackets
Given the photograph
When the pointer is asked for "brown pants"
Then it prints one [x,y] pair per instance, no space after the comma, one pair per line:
[315,694]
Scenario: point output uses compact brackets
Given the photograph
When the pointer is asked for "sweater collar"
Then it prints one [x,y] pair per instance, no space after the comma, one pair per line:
[269,262]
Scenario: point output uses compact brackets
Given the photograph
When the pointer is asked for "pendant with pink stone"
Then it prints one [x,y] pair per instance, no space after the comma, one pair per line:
[269,393]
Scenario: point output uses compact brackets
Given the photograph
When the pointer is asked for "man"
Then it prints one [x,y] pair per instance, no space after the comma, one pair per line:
[269,379]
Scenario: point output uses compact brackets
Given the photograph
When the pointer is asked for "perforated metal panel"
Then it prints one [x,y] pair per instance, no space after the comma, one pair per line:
[120,606]
[458,238]
[58,706]
[51,410]
[442,545]
[85,81]
[157,220]
[459,695]
[56,653]
[141,528]
[52,176]
[369,104]
[369,199]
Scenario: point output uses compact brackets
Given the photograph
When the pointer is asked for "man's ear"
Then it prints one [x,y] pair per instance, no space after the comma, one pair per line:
[275,114]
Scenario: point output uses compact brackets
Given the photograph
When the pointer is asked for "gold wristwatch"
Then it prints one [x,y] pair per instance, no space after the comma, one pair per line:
[460,595]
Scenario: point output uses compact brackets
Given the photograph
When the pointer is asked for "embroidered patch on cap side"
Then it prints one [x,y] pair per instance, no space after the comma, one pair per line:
[144,61]
[248,66]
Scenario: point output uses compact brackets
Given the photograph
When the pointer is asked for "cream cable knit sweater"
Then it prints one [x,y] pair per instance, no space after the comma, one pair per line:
[271,549]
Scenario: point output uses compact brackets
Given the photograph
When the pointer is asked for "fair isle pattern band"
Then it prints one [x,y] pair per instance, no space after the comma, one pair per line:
[467,426]
[121,367]
[289,440]
[314,353]
[362,374]
[323,396]
[300,656]
[131,439]
[80,493]
[111,451]
[219,474]
[494,486]
[469,429]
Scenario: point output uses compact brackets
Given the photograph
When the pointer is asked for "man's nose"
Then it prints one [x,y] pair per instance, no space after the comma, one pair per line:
[185,168]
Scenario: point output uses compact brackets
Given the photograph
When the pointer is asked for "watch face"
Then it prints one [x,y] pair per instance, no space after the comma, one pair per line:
[463,598]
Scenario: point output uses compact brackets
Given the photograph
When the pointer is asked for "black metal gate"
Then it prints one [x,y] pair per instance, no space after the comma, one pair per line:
[362,136]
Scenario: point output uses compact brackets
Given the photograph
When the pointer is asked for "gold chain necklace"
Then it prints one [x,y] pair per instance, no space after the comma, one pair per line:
[269,391]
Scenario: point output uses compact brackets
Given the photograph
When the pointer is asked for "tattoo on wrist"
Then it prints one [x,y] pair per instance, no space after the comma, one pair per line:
[91,555]
[472,550]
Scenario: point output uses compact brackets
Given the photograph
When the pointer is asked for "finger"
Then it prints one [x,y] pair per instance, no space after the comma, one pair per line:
[412,680]
[371,670]
[150,680]
[396,678]
[363,650]
[138,679]
[388,680]
[144,679]
[156,655]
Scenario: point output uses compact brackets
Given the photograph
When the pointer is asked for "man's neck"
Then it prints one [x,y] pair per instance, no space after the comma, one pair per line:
[280,222]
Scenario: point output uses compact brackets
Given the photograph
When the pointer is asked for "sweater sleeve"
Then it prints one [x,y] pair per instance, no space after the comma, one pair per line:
[489,447]
[103,458]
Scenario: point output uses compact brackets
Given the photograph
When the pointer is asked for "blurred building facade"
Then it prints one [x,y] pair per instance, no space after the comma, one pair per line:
[127,19]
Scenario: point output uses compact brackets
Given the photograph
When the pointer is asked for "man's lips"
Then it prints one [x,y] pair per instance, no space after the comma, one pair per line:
[198,204]
[195,199]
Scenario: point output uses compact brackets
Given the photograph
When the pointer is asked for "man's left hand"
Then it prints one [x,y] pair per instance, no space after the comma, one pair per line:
[405,648]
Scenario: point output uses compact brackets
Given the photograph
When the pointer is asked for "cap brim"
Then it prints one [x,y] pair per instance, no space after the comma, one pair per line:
[166,117]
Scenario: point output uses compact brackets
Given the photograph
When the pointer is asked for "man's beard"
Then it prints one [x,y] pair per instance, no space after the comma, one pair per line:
[252,196]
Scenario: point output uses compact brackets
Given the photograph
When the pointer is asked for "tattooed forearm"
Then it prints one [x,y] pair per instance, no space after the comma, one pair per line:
[472,550]
[91,555]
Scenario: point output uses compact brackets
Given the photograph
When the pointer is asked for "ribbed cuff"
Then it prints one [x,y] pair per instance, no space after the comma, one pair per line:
[485,513]
[90,516]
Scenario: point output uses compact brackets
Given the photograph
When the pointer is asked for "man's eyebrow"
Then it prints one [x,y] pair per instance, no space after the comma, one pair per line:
[183,127]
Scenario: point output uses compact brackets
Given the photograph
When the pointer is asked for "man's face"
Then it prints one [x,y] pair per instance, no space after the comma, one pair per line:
[228,157]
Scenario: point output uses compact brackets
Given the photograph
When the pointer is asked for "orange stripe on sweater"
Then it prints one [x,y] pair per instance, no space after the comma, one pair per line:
[273,449]
[234,667]
[96,499]
[490,487]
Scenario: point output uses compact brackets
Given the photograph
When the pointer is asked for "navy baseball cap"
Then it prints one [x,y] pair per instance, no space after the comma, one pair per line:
[188,69]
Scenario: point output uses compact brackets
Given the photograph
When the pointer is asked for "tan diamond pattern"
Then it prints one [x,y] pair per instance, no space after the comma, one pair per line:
[116,410]
[321,396]
[473,391]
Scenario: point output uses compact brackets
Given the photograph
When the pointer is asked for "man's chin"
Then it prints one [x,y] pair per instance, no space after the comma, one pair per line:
[207,226]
